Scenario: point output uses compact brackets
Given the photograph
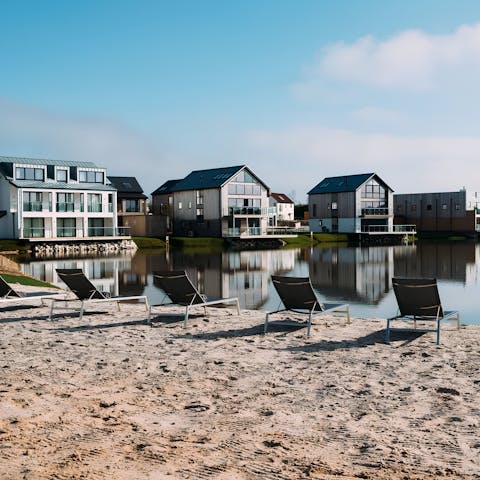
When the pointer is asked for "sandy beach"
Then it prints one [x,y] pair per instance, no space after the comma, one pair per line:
[110,397]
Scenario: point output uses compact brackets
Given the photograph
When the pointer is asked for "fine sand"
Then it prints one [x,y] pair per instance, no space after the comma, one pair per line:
[110,397]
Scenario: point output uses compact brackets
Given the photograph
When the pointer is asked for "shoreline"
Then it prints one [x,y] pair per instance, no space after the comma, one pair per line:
[111,397]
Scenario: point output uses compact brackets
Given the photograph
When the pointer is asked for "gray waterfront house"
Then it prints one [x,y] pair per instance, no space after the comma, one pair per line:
[440,211]
[218,202]
[355,204]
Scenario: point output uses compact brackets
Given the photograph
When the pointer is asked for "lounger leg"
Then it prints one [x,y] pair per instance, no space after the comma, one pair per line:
[205,311]
[348,315]
[238,307]
[52,306]
[186,317]
[265,325]
[387,332]
[149,316]
[458,321]
[309,324]
[81,311]
[438,331]
[118,306]
[147,306]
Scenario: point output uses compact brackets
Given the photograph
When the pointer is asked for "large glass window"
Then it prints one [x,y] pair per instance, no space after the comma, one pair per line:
[62,175]
[132,206]
[33,228]
[22,173]
[65,202]
[32,201]
[66,227]
[85,176]
[96,227]
[94,202]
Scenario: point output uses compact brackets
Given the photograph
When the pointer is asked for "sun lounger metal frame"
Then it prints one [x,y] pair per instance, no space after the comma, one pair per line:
[297,295]
[418,300]
[87,293]
[179,289]
[9,295]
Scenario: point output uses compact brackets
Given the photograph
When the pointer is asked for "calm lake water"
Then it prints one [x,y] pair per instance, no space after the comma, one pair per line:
[360,276]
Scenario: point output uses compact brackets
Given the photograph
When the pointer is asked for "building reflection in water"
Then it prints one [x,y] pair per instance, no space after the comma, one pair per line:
[360,275]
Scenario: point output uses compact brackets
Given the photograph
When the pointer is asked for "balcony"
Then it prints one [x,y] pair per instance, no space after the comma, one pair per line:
[72,233]
[244,211]
[95,208]
[375,212]
[65,207]
[32,206]
[397,229]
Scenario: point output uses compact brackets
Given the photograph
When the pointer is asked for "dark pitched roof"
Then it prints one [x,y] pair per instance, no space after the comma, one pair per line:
[210,178]
[127,187]
[281,198]
[204,179]
[166,187]
[345,183]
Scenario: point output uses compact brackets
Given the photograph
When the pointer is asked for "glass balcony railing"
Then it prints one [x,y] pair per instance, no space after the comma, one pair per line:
[69,232]
[65,206]
[32,206]
[375,211]
[244,210]
[95,208]
[387,229]
[72,232]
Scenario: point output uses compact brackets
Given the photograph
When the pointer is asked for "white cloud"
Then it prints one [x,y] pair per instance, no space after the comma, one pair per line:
[38,133]
[372,114]
[299,158]
[411,60]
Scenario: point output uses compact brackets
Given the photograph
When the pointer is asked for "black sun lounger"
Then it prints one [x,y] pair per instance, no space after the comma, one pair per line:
[180,291]
[86,292]
[297,295]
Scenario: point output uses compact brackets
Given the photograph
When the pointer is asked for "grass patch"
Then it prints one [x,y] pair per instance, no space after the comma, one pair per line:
[195,242]
[24,280]
[330,237]
[148,242]
[300,240]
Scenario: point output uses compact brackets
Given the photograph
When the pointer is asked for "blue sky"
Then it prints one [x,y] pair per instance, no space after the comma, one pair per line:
[297,90]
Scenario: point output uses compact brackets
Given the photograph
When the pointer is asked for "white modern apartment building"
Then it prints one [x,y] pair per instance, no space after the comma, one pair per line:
[281,208]
[56,200]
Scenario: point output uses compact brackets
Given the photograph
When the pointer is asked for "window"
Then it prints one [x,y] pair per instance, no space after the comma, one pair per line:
[33,228]
[457,206]
[65,202]
[85,176]
[334,206]
[180,206]
[62,175]
[314,210]
[22,173]
[96,227]
[190,205]
[429,207]
[94,202]
[66,227]
[444,206]
[32,202]
[131,206]
[413,207]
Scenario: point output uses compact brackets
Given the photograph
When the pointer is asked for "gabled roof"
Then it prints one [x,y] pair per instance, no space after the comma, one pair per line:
[345,183]
[43,161]
[281,198]
[204,179]
[210,178]
[127,187]
[166,187]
